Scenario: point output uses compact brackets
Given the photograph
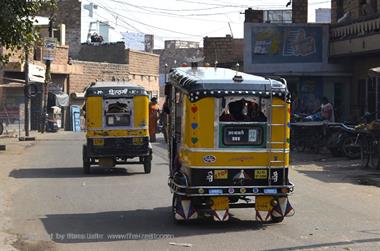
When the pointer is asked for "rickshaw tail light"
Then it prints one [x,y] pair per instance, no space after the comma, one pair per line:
[201,190]
[284,190]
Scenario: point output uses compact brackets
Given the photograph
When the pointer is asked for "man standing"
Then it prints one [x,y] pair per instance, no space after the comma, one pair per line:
[327,110]
[153,118]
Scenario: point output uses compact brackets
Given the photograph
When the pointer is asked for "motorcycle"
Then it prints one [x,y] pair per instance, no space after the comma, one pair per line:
[344,141]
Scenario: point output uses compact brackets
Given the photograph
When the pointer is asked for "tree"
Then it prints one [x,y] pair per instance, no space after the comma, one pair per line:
[16,23]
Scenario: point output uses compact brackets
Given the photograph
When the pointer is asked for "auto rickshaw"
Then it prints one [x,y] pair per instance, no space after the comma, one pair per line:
[228,144]
[117,125]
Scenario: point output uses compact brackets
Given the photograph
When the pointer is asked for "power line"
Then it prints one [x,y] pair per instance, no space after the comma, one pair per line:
[145,24]
[172,10]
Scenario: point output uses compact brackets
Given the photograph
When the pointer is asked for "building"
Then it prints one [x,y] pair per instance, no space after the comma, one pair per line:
[226,52]
[113,61]
[354,38]
[323,15]
[298,52]
[174,54]
[13,77]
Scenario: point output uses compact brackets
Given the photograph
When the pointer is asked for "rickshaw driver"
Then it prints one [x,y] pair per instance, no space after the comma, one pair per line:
[243,110]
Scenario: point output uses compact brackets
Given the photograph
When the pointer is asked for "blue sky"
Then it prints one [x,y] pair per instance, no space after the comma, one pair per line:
[180,19]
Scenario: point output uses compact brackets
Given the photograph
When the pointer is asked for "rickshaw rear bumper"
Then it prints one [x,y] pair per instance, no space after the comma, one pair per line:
[119,147]
[271,202]
[230,191]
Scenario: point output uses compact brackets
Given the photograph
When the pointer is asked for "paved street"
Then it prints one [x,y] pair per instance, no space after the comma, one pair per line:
[50,205]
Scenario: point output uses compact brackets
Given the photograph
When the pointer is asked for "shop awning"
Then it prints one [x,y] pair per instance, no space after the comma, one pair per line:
[60,99]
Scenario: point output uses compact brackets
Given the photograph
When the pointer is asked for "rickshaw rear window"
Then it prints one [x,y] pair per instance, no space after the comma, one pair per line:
[118,112]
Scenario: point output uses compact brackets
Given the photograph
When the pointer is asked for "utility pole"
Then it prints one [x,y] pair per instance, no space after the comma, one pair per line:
[26,96]
[47,81]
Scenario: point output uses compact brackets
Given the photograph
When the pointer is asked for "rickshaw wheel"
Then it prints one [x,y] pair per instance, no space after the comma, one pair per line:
[1,128]
[86,161]
[147,164]
[277,219]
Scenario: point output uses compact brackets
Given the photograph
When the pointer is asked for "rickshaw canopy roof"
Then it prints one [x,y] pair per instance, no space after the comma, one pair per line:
[115,89]
[202,82]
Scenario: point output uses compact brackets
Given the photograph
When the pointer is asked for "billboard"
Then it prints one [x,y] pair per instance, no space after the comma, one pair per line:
[286,44]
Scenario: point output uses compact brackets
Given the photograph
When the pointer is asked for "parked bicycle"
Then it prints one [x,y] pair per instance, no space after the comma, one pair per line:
[369,140]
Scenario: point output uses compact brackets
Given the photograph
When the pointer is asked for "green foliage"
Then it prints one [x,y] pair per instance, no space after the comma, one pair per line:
[16,23]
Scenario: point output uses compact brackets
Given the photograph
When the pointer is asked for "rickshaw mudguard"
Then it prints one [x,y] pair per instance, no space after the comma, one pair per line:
[184,210]
[221,215]
[281,209]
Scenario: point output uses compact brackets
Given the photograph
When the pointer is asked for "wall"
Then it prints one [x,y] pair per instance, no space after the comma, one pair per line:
[226,50]
[111,53]
[179,44]
[144,69]
[92,71]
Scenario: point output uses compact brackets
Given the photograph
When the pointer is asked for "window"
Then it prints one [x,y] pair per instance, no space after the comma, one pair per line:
[118,112]
[237,109]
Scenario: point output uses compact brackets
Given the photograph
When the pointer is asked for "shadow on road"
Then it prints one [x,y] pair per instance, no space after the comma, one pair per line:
[138,224]
[334,170]
[69,172]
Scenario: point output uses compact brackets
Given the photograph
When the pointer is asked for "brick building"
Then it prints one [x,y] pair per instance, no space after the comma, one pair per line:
[354,38]
[226,51]
[113,61]
[13,77]
[173,55]
[68,12]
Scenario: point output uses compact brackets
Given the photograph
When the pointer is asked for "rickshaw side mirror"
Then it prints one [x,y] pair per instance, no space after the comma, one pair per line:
[168,89]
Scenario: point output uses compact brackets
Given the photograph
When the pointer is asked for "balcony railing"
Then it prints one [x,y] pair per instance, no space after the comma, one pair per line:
[355,29]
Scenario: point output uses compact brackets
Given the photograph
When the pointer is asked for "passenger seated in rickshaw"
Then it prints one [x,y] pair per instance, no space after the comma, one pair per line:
[242,111]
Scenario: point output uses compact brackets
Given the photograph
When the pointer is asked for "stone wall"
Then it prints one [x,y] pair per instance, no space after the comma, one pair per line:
[299,11]
[143,63]
[92,71]
[144,69]
[226,50]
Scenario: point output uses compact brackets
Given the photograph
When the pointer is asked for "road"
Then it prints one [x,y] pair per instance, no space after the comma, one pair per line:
[51,205]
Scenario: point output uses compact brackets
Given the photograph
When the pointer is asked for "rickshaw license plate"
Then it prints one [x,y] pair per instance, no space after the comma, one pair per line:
[263,203]
[137,141]
[261,174]
[219,203]
[98,142]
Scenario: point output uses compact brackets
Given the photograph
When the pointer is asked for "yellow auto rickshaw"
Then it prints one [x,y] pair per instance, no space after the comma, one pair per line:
[228,145]
[117,125]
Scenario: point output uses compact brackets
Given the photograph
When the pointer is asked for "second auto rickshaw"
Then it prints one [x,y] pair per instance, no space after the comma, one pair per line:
[117,125]
[229,144]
